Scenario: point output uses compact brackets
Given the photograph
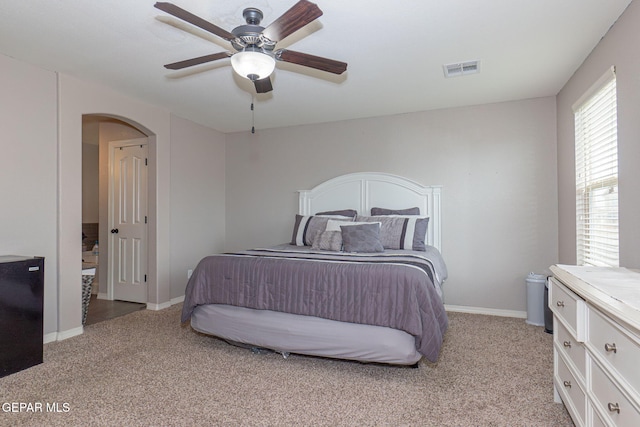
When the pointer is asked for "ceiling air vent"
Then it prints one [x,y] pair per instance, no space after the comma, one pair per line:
[461,68]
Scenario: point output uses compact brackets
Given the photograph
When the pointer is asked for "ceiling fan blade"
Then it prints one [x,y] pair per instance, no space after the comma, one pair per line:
[300,14]
[311,61]
[263,85]
[189,17]
[195,61]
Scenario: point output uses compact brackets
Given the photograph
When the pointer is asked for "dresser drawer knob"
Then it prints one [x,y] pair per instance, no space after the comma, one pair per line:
[567,384]
[610,347]
[567,344]
[560,303]
[614,407]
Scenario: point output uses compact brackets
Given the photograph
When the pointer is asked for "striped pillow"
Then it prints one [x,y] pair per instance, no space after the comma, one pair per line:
[306,227]
[401,232]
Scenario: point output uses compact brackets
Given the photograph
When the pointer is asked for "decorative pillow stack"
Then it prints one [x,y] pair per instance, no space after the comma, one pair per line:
[400,228]
[345,230]
[305,228]
[350,237]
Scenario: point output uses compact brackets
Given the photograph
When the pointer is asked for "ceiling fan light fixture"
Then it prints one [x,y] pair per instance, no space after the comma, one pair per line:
[253,64]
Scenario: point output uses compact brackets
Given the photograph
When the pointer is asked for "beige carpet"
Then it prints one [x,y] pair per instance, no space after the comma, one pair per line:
[145,369]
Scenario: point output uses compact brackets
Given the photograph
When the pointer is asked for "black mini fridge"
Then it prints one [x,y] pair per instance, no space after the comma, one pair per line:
[21,306]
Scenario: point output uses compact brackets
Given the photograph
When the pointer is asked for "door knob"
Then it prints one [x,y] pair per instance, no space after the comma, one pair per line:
[114,231]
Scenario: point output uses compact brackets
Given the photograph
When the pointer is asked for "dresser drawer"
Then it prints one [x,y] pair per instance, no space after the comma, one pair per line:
[573,350]
[570,390]
[568,307]
[618,350]
[610,400]
[596,421]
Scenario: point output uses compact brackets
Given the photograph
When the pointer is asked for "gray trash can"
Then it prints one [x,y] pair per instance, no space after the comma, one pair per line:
[535,299]
[548,314]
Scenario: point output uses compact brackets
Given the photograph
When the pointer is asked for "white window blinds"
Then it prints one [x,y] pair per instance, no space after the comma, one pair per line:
[597,174]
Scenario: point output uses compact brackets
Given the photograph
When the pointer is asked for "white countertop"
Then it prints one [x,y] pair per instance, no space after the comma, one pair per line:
[89,268]
[620,283]
[613,289]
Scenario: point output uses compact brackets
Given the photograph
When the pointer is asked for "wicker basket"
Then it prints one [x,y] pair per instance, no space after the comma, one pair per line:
[87,281]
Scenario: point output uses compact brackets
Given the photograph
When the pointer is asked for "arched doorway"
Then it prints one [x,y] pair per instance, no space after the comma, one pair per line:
[98,135]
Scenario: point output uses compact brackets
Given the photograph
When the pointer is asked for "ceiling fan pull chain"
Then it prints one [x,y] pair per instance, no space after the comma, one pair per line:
[253,114]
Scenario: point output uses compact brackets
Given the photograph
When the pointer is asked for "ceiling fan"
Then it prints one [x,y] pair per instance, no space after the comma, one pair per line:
[255,57]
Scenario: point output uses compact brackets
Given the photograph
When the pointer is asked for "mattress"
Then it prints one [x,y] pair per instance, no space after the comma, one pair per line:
[309,335]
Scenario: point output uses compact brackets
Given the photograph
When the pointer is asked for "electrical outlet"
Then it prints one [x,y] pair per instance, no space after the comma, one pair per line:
[189,273]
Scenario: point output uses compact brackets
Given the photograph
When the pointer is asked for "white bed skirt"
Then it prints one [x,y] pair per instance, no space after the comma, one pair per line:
[290,333]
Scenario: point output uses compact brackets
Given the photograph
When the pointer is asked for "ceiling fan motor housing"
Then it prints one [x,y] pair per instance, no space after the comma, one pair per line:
[251,33]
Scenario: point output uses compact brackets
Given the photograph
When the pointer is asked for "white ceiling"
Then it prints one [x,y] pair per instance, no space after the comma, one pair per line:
[395,51]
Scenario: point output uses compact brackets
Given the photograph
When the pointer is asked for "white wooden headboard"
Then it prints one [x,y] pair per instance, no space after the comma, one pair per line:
[364,190]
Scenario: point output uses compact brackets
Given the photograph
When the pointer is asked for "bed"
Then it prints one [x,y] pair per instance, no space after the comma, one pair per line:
[353,283]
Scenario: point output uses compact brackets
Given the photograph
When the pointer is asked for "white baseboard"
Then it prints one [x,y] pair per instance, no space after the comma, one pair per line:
[162,306]
[156,307]
[486,311]
[70,333]
[177,300]
[152,306]
[50,337]
[59,336]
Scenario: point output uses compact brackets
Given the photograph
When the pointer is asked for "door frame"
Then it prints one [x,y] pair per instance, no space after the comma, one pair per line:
[112,146]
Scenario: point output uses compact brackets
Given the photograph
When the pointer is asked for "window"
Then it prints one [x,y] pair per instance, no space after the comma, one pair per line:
[597,174]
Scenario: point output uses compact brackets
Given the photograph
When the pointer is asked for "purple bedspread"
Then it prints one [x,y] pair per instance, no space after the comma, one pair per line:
[374,289]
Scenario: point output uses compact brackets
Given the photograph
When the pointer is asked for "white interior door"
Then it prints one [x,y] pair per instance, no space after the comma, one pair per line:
[128,220]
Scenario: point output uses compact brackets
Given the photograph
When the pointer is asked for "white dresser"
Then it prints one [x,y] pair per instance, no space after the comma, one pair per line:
[596,339]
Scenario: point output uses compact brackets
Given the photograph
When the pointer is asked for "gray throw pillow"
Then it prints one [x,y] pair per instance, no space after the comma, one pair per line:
[328,241]
[361,238]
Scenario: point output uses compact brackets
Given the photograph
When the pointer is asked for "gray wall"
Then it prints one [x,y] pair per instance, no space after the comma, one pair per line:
[620,48]
[496,162]
[28,171]
[90,183]
[197,197]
